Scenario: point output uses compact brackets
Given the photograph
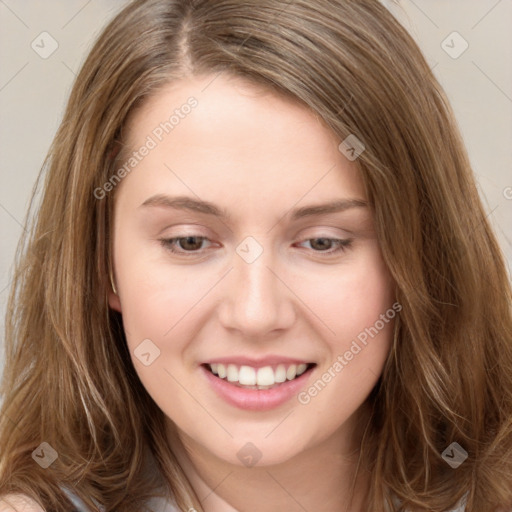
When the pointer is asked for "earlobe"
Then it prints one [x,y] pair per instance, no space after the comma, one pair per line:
[113,301]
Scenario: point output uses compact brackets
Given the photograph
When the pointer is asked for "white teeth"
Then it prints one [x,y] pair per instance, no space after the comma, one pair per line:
[291,372]
[247,376]
[280,375]
[265,376]
[301,368]
[232,373]
[221,370]
[258,378]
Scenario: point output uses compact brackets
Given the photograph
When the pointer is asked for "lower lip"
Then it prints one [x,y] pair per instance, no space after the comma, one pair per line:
[256,399]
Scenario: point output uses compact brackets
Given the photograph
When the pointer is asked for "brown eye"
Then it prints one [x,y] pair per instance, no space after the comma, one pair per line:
[184,244]
[190,243]
[325,245]
[321,244]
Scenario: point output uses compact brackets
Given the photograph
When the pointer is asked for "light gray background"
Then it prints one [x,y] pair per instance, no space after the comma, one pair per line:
[33,92]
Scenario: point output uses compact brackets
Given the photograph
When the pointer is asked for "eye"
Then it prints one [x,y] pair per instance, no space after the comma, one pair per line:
[192,245]
[325,245]
[189,244]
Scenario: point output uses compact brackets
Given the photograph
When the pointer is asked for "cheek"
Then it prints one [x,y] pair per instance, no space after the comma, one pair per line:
[154,295]
[362,317]
[158,319]
[349,297]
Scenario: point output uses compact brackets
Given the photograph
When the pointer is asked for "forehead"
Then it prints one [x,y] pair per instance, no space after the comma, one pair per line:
[238,143]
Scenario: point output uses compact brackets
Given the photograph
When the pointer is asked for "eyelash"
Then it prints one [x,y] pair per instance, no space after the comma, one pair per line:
[169,244]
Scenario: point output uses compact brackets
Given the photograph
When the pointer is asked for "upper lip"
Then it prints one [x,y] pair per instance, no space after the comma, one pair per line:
[257,362]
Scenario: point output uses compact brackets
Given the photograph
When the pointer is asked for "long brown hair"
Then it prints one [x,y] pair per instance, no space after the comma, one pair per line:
[69,380]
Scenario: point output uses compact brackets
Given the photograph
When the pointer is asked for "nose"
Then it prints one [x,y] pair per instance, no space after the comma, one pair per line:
[257,297]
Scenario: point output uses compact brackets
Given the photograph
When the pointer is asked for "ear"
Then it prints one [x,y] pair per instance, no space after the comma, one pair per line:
[113,298]
[113,301]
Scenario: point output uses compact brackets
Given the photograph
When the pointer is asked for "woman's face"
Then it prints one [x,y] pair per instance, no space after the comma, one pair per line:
[262,280]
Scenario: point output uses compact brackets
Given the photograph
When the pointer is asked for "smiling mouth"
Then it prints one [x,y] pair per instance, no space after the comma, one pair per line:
[266,377]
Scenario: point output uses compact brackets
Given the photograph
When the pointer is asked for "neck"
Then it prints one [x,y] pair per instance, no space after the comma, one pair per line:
[322,477]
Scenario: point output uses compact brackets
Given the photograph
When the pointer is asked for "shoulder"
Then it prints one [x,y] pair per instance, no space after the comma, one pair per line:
[19,503]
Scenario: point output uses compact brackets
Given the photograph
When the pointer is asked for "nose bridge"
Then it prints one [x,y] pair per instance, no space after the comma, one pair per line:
[257,301]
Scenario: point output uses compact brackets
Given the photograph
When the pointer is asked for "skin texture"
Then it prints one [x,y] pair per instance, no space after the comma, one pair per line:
[256,155]
[19,503]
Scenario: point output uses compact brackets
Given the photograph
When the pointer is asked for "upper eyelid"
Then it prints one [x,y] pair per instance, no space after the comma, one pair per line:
[195,231]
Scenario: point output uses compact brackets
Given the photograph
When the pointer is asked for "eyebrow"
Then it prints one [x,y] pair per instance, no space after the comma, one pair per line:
[197,205]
